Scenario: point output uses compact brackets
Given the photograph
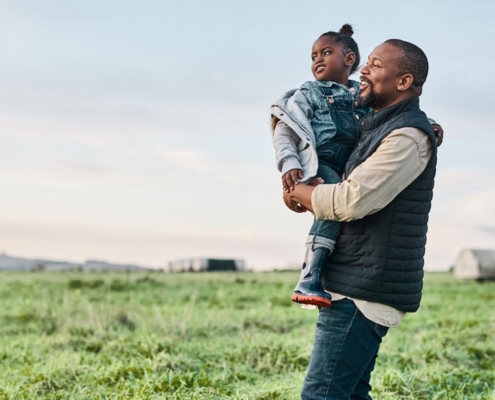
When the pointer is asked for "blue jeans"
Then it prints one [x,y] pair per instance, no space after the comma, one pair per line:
[344,352]
[326,229]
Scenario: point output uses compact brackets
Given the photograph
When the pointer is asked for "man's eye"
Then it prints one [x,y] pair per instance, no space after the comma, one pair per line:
[376,66]
[326,53]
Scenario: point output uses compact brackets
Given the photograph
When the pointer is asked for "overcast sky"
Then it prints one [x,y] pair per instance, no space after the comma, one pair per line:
[137,131]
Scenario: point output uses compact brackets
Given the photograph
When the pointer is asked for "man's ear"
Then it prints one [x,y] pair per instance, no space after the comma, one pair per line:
[405,82]
[350,59]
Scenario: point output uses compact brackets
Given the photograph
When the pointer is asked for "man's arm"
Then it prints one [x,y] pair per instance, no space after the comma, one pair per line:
[399,160]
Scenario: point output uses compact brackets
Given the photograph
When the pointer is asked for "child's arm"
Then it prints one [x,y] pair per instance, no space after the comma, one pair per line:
[285,142]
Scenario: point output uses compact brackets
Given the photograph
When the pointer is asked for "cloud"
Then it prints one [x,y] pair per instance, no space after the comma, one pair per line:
[68,175]
[488,229]
[15,34]
[479,207]
[463,214]
[21,130]
[459,177]
[446,240]
[189,159]
[82,166]
[83,240]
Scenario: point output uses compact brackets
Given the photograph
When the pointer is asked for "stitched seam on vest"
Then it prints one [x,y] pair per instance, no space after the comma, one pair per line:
[354,273]
[388,245]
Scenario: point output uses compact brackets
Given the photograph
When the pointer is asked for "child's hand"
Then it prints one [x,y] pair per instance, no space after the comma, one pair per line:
[438,131]
[316,181]
[290,179]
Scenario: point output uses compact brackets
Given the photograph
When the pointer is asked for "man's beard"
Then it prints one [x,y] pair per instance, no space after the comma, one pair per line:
[372,99]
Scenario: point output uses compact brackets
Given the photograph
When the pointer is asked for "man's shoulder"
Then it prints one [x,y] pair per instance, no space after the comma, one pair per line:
[412,132]
[414,119]
[415,136]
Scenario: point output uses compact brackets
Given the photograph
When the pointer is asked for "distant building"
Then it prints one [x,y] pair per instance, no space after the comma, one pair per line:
[100,266]
[475,264]
[58,266]
[206,264]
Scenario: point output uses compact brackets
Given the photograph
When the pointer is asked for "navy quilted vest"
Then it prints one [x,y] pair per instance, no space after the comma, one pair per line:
[379,258]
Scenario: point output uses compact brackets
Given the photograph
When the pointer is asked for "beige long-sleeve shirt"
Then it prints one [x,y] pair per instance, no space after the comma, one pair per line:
[399,160]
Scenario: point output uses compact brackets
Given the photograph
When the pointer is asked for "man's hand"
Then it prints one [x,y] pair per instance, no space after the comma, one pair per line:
[291,178]
[438,131]
[299,198]
[293,204]
[316,181]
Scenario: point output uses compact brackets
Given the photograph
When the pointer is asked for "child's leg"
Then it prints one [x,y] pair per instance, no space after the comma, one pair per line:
[324,233]
[320,244]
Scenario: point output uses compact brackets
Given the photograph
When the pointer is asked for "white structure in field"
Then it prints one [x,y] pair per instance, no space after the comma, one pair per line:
[206,264]
[475,264]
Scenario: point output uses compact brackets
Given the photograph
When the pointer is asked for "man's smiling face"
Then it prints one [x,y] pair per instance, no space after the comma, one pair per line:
[379,79]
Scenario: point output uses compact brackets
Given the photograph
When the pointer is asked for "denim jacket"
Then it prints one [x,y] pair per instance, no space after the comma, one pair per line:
[317,121]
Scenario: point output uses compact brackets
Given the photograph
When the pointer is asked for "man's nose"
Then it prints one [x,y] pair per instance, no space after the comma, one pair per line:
[365,70]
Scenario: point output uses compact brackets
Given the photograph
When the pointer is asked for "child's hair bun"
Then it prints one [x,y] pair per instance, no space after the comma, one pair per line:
[346,30]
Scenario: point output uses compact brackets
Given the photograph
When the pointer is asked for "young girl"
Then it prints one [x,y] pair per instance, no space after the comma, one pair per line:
[315,129]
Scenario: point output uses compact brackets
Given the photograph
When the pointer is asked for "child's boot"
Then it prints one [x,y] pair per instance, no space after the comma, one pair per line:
[309,289]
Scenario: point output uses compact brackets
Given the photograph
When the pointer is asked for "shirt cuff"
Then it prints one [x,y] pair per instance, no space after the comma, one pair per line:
[322,202]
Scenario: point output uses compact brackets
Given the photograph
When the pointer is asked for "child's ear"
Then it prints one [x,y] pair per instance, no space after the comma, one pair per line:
[350,59]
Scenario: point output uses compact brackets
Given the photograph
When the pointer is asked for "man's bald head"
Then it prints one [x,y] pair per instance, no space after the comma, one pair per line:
[412,61]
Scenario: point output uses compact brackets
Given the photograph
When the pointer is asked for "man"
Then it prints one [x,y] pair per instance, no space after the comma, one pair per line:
[375,274]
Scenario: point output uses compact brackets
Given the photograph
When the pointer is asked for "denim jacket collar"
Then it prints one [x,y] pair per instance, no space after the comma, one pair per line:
[351,85]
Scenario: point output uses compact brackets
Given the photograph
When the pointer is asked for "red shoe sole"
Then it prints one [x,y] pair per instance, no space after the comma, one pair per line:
[313,300]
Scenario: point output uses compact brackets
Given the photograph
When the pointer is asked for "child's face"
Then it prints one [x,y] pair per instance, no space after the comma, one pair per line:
[329,60]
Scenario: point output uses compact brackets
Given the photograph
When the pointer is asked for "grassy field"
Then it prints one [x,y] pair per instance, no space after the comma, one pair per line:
[221,336]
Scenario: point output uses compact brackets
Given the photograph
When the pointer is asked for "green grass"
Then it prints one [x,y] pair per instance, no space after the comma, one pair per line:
[221,336]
